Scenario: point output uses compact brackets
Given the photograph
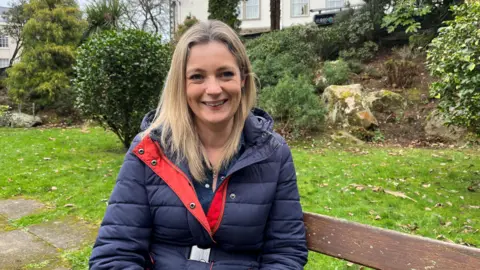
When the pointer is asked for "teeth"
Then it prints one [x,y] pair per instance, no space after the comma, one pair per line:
[214,104]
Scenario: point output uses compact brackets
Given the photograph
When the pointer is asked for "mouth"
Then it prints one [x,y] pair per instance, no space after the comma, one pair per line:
[215,103]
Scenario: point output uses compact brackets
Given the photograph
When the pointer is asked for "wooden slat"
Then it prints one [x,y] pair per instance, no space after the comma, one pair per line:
[385,249]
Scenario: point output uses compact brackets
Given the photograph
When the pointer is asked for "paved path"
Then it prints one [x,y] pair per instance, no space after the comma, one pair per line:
[38,246]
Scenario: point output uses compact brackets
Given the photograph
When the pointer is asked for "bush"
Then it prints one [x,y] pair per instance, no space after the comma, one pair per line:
[400,73]
[294,103]
[119,78]
[364,53]
[420,41]
[355,66]
[276,54]
[454,58]
[182,28]
[336,72]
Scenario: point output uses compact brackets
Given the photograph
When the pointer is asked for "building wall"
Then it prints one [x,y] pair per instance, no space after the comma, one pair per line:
[6,52]
[199,9]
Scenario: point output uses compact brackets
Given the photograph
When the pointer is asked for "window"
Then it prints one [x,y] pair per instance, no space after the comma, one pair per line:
[335,3]
[249,9]
[3,42]
[300,8]
[4,62]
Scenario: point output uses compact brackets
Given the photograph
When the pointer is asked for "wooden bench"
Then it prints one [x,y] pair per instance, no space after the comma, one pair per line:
[385,249]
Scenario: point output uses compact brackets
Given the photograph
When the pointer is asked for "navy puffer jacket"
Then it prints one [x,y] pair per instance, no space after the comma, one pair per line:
[255,220]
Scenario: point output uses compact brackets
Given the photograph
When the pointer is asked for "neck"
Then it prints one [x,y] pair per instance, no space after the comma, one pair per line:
[214,137]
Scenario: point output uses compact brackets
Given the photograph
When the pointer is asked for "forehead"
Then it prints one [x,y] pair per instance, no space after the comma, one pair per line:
[210,55]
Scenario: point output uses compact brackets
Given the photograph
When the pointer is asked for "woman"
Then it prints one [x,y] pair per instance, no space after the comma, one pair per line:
[207,184]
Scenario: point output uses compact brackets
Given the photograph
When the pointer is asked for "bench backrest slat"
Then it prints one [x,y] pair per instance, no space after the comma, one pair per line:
[385,249]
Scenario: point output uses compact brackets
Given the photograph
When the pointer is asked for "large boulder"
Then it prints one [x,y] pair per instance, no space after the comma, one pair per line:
[346,105]
[435,128]
[19,120]
[385,101]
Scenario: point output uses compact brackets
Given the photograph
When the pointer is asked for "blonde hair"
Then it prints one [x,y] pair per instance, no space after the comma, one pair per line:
[173,115]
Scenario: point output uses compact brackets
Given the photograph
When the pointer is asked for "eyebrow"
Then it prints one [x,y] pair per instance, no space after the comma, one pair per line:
[195,70]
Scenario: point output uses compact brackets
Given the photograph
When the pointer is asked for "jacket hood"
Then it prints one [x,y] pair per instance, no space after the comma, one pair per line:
[147,120]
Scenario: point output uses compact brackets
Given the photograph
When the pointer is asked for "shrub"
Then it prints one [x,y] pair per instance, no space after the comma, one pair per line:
[294,103]
[355,66]
[400,73]
[119,78]
[289,51]
[182,28]
[364,53]
[336,72]
[454,58]
[420,41]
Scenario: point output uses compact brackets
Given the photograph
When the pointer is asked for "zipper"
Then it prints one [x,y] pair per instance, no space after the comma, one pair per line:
[222,211]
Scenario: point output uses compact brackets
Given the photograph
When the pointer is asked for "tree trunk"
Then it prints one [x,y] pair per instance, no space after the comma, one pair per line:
[275,14]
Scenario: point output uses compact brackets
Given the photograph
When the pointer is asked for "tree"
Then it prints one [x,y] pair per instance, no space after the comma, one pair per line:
[16,19]
[275,11]
[49,40]
[225,11]
[149,15]
[104,15]
[182,28]
[119,76]
[454,58]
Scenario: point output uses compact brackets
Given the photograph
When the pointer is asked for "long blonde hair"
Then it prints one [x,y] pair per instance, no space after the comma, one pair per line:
[173,115]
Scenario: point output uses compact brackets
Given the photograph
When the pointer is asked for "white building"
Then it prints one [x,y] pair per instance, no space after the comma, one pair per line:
[255,14]
[7,44]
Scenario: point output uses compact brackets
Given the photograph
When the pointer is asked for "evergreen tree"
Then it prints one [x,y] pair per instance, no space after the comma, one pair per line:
[51,36]
[225,11]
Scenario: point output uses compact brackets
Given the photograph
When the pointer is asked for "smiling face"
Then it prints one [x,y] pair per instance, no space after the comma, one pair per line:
[213,84]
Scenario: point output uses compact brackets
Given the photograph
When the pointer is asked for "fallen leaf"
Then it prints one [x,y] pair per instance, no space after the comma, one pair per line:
[461,197]
[327,208]
[320,185]
[377,217]
[52,139]
[474,206]
[449,204]
[371,212]
[69,205]
[443,164]
[358,187]
[426,185]
[399,194]
[10,180]
[349,264]
[354,165]
[46,158]
[448,224]
[20,159]
[428,209]
[377,189]
[54,188]
[350,214]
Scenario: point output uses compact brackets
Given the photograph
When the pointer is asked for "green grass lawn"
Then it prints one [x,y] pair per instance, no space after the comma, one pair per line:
[337,181]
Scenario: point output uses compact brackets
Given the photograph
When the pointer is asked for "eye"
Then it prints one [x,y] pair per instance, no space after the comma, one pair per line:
[227,74]
[196,77]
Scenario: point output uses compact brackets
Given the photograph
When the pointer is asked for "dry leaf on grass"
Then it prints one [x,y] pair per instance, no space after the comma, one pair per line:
[428,209]
[358,187]
[378,217]
[474,206]
[398,194]
[377,189]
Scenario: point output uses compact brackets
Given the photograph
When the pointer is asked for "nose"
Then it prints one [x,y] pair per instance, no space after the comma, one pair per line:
[213,86]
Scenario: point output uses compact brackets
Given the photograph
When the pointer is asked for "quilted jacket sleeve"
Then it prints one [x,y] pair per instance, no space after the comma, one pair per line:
[285,243]
[123,238]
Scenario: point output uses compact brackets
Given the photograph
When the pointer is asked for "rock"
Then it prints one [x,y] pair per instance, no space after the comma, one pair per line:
[346,105]
[385,101]
[18,120]
[435,128]
[344,137]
